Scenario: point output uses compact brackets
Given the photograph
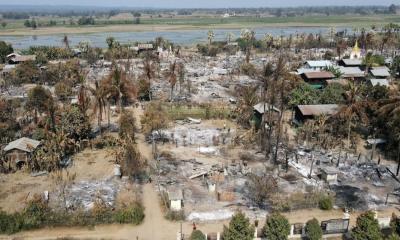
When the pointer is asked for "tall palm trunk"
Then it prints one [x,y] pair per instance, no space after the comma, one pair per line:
[349,131]
[108,114]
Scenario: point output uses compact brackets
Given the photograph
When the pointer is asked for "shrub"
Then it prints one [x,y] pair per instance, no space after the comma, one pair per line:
[35,213]
[313,230]
[197,235]
[133,214]
[326,203]
[248,69]
[175,215]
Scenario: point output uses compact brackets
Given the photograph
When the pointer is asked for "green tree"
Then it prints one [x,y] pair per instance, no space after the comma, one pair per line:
[26,72]
[354,109]
[5,49]
[332,94]
[393,237]
[75,123]
[313,230]
[110,42]
[239,228]
[276,227]
[367,228]
[4,24]
[396,67]
[8,123]
[395,224]
[325,202]
[27,23]
[248,37]
[303,94]
[197,235]
[40,101]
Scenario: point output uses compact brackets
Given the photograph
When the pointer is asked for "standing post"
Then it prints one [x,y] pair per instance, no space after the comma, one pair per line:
[311,168]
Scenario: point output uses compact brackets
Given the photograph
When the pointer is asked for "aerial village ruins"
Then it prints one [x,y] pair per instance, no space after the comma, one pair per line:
[228,145]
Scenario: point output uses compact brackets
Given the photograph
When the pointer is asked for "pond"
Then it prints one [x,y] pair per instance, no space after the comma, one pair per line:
[182,37]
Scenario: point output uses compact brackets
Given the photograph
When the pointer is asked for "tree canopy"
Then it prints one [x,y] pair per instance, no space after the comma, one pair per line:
[367,227]
[239,228]
[276,227]
[313,230]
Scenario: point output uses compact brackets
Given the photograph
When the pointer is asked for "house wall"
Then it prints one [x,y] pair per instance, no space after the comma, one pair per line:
[15,156]
[176,205]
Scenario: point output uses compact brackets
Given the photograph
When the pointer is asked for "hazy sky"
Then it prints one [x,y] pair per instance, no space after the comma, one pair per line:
[201,3]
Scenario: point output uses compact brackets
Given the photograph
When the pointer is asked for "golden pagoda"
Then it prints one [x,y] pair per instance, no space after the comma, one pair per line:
[356,52]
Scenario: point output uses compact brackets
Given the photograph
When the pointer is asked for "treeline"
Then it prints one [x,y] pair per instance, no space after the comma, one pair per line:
[25,13]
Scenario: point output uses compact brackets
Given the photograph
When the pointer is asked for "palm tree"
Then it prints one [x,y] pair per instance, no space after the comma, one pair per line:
[248,36]
[118,86]
[390,110]
[149,72]
[247,99]
[353,109]
[210,36]
[99,93]
[390,107]
[171,75]
[230,36]
[83,99]
[341,45]
[65,41]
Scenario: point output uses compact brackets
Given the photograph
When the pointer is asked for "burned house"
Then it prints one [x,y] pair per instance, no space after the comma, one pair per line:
[260,111]
[175,197]
[19,152]
[143,47]
[307,112]
[317,79]
[15,58]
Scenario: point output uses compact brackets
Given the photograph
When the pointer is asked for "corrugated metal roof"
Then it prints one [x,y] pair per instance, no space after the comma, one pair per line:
[382,82]
[338,81]
[23,144]
[319,75]
[352,62]
[24,58]
[351,72]
[260,108]
[316,110]
[380,72]
[175,194]
[320,63]
[304,70]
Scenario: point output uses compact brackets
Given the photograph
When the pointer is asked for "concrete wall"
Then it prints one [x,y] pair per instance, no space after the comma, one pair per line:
[176,205]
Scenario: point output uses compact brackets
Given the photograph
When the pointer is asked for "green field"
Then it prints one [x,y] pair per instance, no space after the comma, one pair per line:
[207,21]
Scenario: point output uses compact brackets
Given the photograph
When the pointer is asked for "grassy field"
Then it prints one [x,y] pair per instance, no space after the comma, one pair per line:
[196,22]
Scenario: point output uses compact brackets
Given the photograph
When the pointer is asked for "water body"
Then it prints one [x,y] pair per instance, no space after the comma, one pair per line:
[182,37]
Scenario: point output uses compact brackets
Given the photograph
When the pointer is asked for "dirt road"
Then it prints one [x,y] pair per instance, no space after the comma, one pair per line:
[155,226]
